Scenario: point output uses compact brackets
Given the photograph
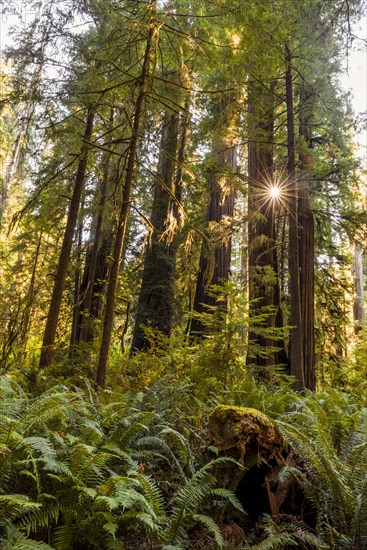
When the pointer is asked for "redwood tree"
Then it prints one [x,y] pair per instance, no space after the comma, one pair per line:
[156,298]
[143,85]
[63,263]
[306,238]
[264,295]
[296,353]
[215,257]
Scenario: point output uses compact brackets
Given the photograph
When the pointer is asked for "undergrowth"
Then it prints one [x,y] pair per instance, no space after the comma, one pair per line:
[119,469]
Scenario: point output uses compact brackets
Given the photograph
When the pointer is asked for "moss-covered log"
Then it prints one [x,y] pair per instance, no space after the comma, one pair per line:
[246,434]
[252,438]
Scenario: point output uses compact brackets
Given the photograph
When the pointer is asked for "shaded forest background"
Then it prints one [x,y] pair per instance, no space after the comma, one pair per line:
[183,225]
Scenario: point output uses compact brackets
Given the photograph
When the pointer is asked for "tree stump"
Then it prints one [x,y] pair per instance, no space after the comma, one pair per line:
[252,438]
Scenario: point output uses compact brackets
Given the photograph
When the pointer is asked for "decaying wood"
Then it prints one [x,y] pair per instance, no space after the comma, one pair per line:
[252,438]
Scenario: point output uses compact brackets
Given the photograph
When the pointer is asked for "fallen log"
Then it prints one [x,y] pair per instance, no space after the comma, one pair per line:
[252,438]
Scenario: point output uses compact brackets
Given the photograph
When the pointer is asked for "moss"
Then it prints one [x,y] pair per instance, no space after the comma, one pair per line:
[235,414]
[247,434]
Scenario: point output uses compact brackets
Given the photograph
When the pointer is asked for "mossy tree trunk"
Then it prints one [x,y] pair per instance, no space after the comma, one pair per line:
[156,297]
[215,257]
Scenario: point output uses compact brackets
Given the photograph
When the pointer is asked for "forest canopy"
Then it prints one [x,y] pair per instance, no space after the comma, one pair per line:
[182,227]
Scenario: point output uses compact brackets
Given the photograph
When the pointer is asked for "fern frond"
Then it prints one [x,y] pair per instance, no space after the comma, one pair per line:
[63,537]
[278,541]
[359,524]
[194,493]
[180,446]
[212,527]
[152,494]
[43,447]
[13,507]
[328,468]
[114,544]
[143,518]
[229,496]
[158,443]
[123,456]
[15,540]
[128,429]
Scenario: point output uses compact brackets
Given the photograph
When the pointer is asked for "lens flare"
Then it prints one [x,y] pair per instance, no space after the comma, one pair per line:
[274,192]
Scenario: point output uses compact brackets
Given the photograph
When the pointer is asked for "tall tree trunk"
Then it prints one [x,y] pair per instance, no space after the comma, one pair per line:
[62,268]
[77,278]
[306,243]
[264,294]
[88,283]
[29,300]
[155,305]
[24,120]
[181,155]
[296,343]
[123,215]
[214,267]
[358,307]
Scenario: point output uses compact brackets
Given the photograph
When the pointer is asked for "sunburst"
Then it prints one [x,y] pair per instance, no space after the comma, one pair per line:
[274,191]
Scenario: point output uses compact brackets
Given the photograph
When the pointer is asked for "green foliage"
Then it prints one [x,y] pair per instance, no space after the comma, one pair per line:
[15,540]
[198,490]
[81,468]
[287,534]
[328,432]
[85,468]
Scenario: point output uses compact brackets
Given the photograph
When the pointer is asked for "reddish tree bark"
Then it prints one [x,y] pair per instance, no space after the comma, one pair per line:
[214,267]
[124,211]
[156,298]
[296,341]
[63,264]
[264,294]
[306,243]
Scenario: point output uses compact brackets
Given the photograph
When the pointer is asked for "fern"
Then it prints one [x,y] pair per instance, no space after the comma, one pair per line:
[190,497]
[328,434]
[83,467]
[15,506]
[181,448]
[15,540]
[212,527]
[279,536]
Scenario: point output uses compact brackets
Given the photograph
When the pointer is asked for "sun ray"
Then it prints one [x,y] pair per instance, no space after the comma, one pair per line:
[275,191]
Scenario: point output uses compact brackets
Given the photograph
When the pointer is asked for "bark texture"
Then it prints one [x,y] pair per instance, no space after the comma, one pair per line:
[89,277]
[306,241]
[124,211]
[156,298]
[358,307]
[296,341]
[264,294]
[215,257]
[252,438]
[63,264]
